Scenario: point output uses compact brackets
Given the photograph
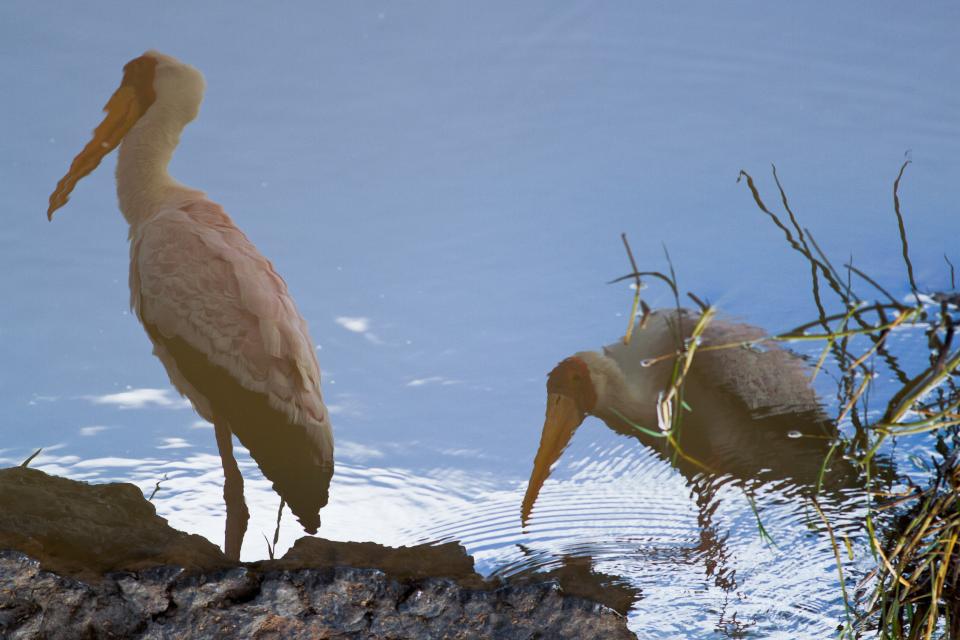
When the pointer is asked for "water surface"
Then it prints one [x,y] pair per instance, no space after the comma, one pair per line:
[443,189]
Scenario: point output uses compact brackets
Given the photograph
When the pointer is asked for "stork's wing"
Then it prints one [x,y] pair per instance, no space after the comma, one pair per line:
[768,378]
[232,341]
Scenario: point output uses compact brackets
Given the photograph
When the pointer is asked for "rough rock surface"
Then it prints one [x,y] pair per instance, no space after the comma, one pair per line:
[85,529]
[240,602]
[95,561]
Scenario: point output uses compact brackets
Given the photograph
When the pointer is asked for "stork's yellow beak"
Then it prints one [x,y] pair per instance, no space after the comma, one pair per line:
[563,418]
[125,107]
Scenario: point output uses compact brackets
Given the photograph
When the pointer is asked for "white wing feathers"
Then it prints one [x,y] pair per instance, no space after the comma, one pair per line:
[195,276]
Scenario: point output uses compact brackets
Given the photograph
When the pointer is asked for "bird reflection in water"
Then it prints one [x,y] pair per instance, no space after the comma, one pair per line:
[220,318]
[752,415]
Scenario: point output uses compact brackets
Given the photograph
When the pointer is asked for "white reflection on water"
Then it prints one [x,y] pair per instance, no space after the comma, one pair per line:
[357,325]
[367,503]
[92,430]
[140,398]
[419,382]
[174,443]
[357,452]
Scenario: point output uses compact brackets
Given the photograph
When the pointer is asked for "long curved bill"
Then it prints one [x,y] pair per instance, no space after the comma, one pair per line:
[563,418]
[128,103]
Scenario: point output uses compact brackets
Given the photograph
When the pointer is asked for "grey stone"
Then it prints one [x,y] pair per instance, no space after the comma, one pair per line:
[232,603]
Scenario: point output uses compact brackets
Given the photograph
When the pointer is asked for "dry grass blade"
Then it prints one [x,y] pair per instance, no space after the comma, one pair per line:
[26,463]
[700,303]
[839,560]
[902,228]
[670,402]
[272,548]
[873,283]
[925,549]
[636,292]
[855,396]
[879,343]
[919,387]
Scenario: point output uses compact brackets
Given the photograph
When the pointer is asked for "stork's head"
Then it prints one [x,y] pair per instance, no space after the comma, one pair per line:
[154,84]
[571,395]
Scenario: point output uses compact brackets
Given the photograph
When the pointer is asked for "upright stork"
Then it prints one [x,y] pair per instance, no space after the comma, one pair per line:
[220,318]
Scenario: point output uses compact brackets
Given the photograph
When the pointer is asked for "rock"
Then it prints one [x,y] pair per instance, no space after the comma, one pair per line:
[95,561]
[84,530]
[342,602]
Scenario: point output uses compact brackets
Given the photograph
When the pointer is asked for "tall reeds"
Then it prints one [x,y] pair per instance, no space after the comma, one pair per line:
[913,591]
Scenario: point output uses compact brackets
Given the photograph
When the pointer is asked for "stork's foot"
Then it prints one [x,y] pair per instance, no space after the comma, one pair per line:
[237,512]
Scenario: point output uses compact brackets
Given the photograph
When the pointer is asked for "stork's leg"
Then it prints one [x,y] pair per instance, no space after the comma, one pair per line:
[237,513]
[712,545]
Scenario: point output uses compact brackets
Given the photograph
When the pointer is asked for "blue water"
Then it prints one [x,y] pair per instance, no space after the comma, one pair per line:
[443,188]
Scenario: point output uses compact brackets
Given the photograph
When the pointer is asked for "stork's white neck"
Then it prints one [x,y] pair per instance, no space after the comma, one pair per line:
[635,402]
[633,398]
[144,186]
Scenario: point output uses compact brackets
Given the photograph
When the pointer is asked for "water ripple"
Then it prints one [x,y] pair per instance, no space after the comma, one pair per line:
[690,547]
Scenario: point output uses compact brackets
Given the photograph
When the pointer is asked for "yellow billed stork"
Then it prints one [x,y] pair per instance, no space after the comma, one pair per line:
[751,413]
[220,317]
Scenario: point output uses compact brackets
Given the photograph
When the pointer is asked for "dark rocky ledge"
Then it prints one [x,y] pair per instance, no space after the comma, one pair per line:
[95,561]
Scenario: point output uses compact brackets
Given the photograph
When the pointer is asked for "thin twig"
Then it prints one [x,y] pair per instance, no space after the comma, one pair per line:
[156,487]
